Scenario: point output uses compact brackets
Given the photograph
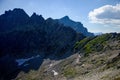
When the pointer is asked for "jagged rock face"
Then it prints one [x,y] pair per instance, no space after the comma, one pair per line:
[77,26]
[24,34]
[36,19]
[26,43]
[22,37]
[12,19]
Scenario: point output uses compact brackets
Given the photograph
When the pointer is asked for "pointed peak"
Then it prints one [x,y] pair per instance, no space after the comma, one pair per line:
[36,18]
[65,17]
[34,15]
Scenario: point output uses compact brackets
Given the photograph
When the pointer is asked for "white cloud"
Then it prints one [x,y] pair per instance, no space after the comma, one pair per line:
[108,15]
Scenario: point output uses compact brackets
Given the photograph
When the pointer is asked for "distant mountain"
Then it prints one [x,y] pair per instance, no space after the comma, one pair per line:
[98,33]
[77,26]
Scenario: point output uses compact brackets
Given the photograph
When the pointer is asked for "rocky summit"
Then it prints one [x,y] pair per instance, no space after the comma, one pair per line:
[77,26]
[34,48]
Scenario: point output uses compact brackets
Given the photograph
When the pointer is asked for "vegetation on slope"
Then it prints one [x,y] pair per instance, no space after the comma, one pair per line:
[96,44]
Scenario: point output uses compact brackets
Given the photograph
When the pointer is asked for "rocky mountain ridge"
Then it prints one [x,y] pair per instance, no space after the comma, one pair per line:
[22,38]
[32,48]
[77,26]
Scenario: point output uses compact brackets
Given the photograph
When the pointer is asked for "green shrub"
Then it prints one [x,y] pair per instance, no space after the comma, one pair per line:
[79,45]
[69,72]
[96,44]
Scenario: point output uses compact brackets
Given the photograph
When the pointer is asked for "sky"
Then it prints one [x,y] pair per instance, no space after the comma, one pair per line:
[96,15]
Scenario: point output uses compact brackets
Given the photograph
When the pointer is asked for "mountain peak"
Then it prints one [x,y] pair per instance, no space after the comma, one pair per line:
[18,9]
[11,18]
[77,26]
[66,18]
[15,11]
[34,14]
[35,18]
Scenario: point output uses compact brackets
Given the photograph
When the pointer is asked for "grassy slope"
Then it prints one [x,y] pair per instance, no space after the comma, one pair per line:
[100,63]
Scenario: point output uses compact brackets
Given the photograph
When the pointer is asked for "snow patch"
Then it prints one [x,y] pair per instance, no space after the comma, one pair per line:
[55,73]
[78,58]
[51,65]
